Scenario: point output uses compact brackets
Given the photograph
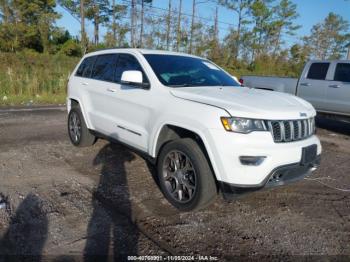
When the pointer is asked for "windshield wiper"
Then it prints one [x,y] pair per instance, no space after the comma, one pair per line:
[181,85]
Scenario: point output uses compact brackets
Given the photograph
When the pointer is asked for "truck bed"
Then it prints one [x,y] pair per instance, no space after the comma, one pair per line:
[279,84]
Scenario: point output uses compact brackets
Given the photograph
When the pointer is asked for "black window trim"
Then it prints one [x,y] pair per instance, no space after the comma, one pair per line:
[114,82]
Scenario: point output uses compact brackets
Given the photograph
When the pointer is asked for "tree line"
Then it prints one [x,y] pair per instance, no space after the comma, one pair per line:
[259,33]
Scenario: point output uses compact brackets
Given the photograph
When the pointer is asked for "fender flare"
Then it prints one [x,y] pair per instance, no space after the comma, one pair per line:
[196,131]
[83,111]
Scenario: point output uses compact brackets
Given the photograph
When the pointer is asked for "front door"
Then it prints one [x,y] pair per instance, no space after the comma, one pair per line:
[133,105]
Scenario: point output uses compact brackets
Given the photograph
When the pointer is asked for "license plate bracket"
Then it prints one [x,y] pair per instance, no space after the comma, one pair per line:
[308,155]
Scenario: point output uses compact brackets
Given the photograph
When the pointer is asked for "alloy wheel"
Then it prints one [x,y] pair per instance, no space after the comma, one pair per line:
[179,176]
[75,127]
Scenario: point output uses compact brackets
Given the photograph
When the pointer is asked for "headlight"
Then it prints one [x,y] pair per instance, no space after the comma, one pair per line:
[243,125]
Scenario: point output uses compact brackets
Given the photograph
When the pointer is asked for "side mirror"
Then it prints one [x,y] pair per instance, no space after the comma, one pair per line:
[133,77]
[238,81]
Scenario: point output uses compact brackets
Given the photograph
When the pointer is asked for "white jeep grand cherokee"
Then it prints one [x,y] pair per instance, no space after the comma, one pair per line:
[205,133]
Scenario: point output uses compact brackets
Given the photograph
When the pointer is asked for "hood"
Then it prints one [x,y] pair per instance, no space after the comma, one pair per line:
[247,102]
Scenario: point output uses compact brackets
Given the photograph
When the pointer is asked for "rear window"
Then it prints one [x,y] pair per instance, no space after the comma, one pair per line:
[104,68]
[85,67]
[318,71]
[342,72]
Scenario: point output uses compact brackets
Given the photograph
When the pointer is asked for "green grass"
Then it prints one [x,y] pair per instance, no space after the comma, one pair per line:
[23,100]
[32,78]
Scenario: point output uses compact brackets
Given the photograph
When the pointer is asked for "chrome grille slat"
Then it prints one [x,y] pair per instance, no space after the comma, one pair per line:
[291,130]
[292,136]
[299,132]
[305,128]
[283,135]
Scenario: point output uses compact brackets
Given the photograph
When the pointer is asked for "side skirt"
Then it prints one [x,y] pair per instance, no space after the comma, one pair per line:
[139,152]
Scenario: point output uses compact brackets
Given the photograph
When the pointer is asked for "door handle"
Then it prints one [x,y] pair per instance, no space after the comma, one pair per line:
[334,86]
[84,83]
[111,90]
[305,84]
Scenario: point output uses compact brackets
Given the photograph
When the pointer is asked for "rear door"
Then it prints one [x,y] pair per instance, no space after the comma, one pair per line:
[100,87]
[338,90]
[79,86]
[313,84]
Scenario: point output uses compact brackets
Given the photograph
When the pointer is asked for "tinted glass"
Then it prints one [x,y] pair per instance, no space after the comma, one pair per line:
[127,62]
[85,67]
[318,71]
[342,72]
[181,71]
[104,67]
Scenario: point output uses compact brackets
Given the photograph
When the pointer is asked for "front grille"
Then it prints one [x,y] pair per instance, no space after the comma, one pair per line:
[291,130]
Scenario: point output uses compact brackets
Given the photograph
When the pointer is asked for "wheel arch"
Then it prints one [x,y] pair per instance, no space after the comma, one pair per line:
[171,132]
[75,102]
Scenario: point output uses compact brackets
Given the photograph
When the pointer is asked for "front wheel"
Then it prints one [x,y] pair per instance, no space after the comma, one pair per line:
[185,176]
[78,132]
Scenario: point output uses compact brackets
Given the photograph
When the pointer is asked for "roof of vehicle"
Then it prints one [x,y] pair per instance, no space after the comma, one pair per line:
[133,50]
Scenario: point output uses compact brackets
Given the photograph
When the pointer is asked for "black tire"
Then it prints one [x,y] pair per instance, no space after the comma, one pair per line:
[85,138]
[205,187]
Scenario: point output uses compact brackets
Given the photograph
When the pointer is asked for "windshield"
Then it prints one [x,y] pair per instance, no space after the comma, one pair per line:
[181,71]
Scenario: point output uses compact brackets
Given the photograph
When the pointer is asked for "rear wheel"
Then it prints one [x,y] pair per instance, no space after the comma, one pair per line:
[78,132]
[185,176]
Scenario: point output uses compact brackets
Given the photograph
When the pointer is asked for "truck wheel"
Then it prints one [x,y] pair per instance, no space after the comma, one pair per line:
[78,132]
[185,176]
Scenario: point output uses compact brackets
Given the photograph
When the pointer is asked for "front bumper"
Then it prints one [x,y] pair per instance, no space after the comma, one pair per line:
[280,176]
[226,148]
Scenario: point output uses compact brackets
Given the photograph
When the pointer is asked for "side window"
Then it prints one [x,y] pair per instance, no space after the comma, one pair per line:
[104,67]
[318,71]
[128,62]
[342,72]
[85,67]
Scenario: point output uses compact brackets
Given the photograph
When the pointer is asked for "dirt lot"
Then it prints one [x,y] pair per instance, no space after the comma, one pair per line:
[62,202]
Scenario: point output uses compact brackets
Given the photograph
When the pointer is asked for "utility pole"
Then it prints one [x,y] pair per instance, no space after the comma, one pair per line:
[216,27]
[142,15]
[133,14]
[178,34]
[168,27]
[214,53]
[114,24]
[192,25]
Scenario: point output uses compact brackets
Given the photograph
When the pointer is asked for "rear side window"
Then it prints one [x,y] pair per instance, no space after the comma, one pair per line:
[128,62]
[85,67]
[342,72]
[104,67]
[318,71]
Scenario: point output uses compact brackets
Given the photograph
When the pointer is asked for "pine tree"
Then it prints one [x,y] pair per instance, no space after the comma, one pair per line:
[99,12]
[327,39]
[241,8]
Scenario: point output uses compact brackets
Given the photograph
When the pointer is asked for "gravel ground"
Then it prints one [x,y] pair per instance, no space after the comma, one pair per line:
[63,203]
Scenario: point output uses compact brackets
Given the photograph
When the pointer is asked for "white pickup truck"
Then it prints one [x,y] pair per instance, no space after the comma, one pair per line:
[204,132]
[325,84]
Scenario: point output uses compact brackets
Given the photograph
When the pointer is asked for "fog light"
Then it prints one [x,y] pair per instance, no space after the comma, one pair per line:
[252,160]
